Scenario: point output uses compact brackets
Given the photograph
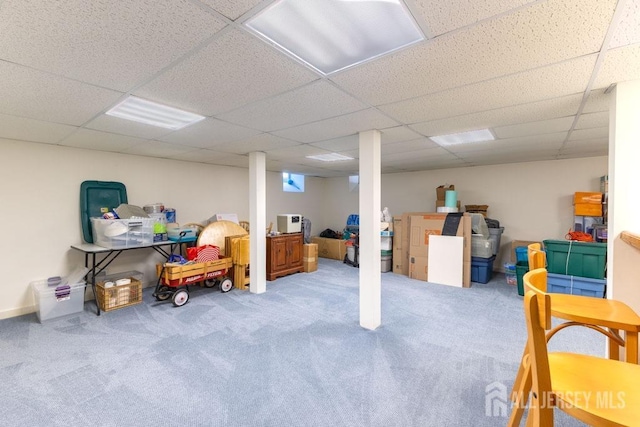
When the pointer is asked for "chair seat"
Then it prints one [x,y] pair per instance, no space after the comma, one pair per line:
[604,312]
[592,398]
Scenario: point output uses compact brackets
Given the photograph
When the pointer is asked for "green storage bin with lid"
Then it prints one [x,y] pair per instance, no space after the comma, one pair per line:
[571,258]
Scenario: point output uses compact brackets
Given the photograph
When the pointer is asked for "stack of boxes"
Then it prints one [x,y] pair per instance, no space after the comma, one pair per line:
[441,194]
[482,250]
[588,214]
[576,268]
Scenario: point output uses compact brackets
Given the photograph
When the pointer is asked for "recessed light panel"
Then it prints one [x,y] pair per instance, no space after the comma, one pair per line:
[151,113]
[331,35]
[464,137]
[331,157]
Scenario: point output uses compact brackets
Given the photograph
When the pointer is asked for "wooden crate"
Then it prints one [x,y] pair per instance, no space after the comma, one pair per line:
[117,297]
[178,275]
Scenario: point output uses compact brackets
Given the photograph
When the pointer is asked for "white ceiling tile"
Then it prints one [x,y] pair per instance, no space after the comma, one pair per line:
[108,43]
[201,155]
[593,133]
[540,110]
[401,147]
[298,151]
[545,33]
[19,128]
[593,120]
[621,64]
[588,145]
[209,133]
[529,86]
[231,71]
[425,154]
[317,101]
[398,134]
[232,9]
[338,126]
[597,101]
[158,149]
[103,141]
[349,142]
[442,17]
[534,128]
[126,127]
[522,156]
[535,142]
[30,93]
[262,142]
[628,29]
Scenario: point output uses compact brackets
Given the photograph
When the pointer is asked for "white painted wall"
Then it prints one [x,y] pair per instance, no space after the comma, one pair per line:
[532,201]
[40,196]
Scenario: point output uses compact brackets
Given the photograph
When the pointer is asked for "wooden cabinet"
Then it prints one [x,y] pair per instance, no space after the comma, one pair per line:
[284,255]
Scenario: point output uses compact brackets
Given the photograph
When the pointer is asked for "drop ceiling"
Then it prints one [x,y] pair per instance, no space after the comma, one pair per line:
[533,72]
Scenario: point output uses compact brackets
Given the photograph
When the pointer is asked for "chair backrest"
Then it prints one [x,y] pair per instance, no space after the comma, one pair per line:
[540,409]
[537,257]
[536,281]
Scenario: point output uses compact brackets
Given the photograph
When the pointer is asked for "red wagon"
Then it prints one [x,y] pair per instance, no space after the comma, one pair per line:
[174,279]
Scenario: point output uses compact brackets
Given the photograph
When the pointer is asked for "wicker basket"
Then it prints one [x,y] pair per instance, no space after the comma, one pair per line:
[117,297]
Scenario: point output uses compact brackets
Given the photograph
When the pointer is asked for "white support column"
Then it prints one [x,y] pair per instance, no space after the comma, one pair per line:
[624,193]
[258,222]
[369,211]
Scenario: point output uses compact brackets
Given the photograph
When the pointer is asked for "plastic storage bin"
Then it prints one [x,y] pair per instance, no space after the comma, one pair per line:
[521,269]
[562,284]
[482,269]
[386,240]
[494,235]
[510,274]
[481,247]
[52,301]
[122,233]
[522,254]
[581,259]
[385,261]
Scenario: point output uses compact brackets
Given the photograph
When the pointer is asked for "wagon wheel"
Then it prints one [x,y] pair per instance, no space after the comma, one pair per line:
[226,284]
[163,293]
[210,283]
[180,298]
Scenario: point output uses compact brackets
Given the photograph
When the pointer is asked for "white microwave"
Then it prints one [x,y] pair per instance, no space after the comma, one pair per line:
[289,223]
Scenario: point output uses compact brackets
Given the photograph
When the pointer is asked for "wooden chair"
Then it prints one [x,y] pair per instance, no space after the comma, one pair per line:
[537,257]
[596,391]
[603,315]
[245,225]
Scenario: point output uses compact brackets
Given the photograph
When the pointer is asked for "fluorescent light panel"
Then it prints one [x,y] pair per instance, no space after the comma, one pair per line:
[151,113]
[331,35]
[331,157]
[464,137]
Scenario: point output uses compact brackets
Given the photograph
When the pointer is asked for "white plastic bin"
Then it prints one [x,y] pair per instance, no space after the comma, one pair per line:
[52,301]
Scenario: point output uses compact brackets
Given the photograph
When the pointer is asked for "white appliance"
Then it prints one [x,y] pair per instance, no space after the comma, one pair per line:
[289,223]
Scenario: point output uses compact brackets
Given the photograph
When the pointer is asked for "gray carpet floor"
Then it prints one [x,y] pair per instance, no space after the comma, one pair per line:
[293,356]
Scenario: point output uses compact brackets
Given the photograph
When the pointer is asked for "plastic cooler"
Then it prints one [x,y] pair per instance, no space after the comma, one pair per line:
[583,259]
[494,235]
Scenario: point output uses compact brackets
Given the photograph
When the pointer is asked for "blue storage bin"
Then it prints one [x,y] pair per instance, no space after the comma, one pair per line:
[575,285]
[521,254]
[482,269]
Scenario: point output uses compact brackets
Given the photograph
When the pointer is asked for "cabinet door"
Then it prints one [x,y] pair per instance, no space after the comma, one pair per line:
[279,254]
[295,251]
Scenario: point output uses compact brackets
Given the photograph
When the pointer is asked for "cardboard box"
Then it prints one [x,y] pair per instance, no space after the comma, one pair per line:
[397,245]
[516,243]
[402,238]
[442,189]
[423,226]
[330,248]
[587,209]
[310,257]
[587,197]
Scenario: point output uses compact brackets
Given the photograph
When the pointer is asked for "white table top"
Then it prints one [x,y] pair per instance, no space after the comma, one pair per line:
[91,248]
